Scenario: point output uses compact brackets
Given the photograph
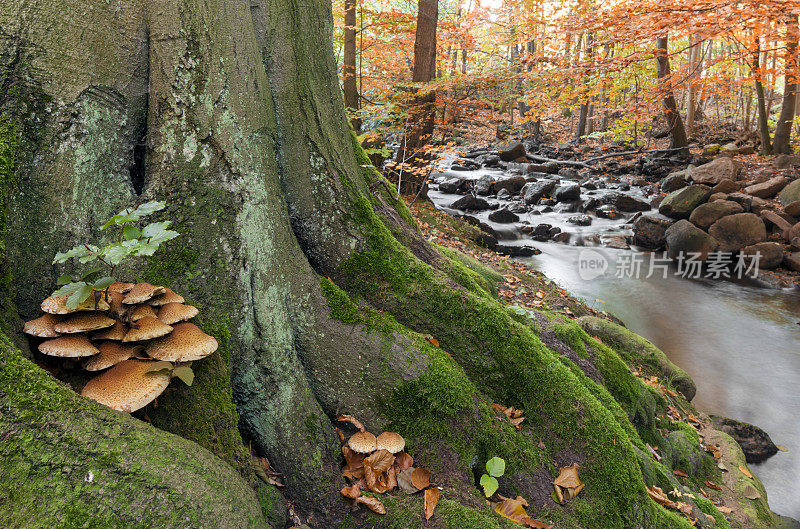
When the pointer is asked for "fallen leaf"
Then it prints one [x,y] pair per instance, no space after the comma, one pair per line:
[514,510]
[404,481]
[434,341]
[402,461]
[377,471]
[351,492]
[340,434]
[431,499]
[535,524]
[352,420]
[745,471]
[751,493]
[568,478]
[712,485]
[782,448]
[421,478]
[723,509]
[680,473]
[372,504]
[355,464]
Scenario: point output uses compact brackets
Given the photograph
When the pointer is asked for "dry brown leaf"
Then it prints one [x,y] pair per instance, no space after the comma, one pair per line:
[421,478]
[745,471]
[402,461]
[514,510]
[657,495]
[340,434]
[751,493]
[568,478]
[355,464]
[680,473]
[351,492]
[352,420]
[404,481]
[535,524]
[372,504]
[724,510]
[431,499]
[376,468]
[434,341]
[712,485]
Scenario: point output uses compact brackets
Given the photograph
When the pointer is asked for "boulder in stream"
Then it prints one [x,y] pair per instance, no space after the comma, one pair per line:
[536,190]
[755,442]
[680,204]
[470,203]
[685,239]
[734,232]
[650,232]
[707,214]
[510,151]
[715,171]
[503,216]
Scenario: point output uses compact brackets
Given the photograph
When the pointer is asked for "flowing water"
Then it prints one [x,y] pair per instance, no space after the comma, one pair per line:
[740,342]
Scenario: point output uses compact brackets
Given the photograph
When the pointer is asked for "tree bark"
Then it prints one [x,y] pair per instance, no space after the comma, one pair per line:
[781,143]
[349,85]
[425,41]
[309,271]
[763,119]
[583,116]
[677,132]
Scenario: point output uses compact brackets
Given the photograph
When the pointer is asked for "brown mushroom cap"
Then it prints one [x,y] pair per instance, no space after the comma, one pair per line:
[141,292]
[127,386]
[186,342]
[138,312]
[363,443]
[59,305]
[83,322]
[117,309]
[43,326]
[115,332]
[74,346]
[391,442]
[147,328]
[167,297]
[175,312]
[120,288]
[111,353]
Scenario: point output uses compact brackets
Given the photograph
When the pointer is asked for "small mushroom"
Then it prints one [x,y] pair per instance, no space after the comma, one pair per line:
[363,443]
[391,442]
[127,386]
[75,346]
[83,322]
[120,288]
[167,297]
[111,353]
[118,310]
[115,332]
[43,326]
[174,312]
[58,305]
[139,312]
[141,292]
[147,328]
[186,342]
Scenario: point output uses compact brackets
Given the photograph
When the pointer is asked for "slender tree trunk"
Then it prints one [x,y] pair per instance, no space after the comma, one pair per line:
[783,130]
[584,111]
[694,73]
[349,85]
[763,120]
[674,121]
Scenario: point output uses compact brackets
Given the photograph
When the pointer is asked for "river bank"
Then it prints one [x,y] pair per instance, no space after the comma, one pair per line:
[737,338]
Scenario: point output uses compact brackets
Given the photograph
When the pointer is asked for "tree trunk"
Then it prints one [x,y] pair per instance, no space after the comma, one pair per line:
[349,85]
[763,119]
[678,137]
[781,143]
[583,117]
[311,274]
[695,65]
[425,41]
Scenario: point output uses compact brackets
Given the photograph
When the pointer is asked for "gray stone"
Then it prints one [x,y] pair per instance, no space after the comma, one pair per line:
[707,214]
[767,189]
[536,190]
[513,184]
[715,171]
[580,220]
[684,238]
[483,185]
[792,209]
[650,232]
[625,203]
[785,161]
[680,204]
[711,149]
[790,193]
[510,151]
[674,181]
[792,261]
[566,192]
[503,216]
[607,212]
[734,232]
[771,254]
[470,203]
[452,185]
[726,185]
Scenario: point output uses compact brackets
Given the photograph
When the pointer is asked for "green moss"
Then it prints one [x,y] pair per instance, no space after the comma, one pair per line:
[339,304]
[469,273]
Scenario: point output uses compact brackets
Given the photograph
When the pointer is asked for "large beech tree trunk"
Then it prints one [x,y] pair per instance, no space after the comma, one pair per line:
[310,273]
[781,142]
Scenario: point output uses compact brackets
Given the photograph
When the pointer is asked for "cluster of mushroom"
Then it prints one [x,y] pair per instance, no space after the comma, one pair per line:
[137,333]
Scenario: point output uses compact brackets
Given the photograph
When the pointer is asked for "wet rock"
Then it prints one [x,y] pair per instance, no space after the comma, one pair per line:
[625,203]
[755,442]
[510,151]
[562,237]
[792,261]
[590,204]
[729,149]
[567,192]
[718,196]
[537,168]
[770,254]
[470,203]
[711,149]
[650,232]
[567,207]
[517,207]
[614,241]
[513,184]
[680,204]
[580,220]
[790,193]
[569,173]
[707,214]
[684,238]
[483,185]
[792,209]
[503,216]
[490,160]
[555,230]
[734,232]
[607,212]
[771,218]
[767,189]
[726,186]
[785,161]
[452,185]
[717,170]
[536,190]
[673,182]
[541,232]
[517,251]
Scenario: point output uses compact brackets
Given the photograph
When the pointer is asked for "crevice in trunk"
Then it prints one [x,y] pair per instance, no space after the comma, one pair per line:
[138,167]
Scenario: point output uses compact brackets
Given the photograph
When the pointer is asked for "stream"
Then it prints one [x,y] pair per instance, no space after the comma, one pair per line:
[739,341]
